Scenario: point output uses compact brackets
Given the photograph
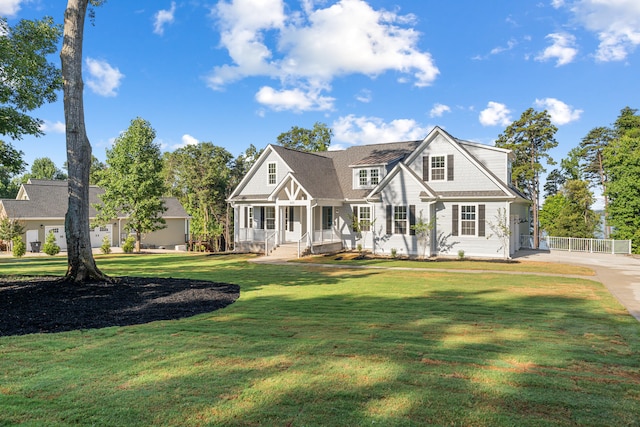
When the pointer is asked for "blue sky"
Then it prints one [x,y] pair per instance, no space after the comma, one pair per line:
[240,72]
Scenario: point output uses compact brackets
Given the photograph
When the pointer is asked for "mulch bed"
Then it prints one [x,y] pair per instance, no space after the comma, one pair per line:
[48,304]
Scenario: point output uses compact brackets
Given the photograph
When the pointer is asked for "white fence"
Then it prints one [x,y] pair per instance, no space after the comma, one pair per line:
[574,244]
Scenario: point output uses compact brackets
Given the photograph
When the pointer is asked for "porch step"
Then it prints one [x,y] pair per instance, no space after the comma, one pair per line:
[285,251]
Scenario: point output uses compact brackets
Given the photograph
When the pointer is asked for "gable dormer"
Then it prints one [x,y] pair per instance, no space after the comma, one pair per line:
[367,173]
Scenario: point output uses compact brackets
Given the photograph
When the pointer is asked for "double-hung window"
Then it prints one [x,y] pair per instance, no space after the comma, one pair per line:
[270,217]
[363,178]
[467,220]
[250,217]
[365,218]
[400,220]
[375,177]
[437,168]
[271,173]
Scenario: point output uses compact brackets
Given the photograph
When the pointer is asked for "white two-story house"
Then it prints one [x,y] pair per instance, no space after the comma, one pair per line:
[463,188]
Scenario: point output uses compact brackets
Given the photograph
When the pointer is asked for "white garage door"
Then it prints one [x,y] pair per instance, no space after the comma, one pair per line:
[61,236]
[98,233]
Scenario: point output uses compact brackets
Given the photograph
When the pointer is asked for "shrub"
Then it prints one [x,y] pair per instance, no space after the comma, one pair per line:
[460,254]
[129,244]
[105,248]
[19,247]
[394,253]
[50,246]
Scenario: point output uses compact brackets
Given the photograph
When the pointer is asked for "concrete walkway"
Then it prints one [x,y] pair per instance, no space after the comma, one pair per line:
[620,274]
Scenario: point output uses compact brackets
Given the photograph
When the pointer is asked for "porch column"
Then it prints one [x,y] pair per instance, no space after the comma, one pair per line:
[277,224]
[310,221]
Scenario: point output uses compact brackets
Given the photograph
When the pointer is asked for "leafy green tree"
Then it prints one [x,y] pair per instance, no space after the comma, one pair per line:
[621,160]
[81,265]
[43,168]
[28,78]
[555,181]
[501,228]
[28,81]
[531,137]
[569,213]
[424,230]
[316,139]
[199,176]
[10,229]
[132,182]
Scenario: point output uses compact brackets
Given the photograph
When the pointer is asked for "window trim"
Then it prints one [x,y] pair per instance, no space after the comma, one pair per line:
[368,177]
[464,221]
[268,219]
[440,169]
[400,219]
[272,177]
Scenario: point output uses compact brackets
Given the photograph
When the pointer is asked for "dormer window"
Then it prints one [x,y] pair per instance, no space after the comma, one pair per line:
[366,177]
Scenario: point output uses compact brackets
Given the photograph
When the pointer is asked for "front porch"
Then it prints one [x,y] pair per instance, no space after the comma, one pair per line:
[264,228]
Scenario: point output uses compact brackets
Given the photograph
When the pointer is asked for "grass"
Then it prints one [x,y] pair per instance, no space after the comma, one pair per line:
[308,345]
[352,258]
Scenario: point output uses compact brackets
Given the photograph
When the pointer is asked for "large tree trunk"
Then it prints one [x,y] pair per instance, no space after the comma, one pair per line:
[81,265]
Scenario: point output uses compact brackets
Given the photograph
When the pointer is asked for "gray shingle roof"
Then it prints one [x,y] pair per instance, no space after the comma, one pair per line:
[49,199]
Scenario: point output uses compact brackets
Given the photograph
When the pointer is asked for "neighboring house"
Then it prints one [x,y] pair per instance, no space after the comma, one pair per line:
[314,198]
[41,205]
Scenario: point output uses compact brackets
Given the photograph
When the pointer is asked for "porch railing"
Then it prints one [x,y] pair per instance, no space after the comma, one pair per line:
[326,236]
[303,238]
[267,239]
[575,244]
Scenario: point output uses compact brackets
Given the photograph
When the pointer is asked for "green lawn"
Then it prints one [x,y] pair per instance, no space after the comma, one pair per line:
[308,345]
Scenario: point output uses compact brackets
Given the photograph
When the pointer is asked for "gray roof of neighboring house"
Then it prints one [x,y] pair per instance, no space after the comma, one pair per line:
[49,199]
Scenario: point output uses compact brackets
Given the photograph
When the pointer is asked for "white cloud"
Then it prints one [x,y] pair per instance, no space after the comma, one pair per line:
[294,99]
[316,45]
[9,8]
[563,49]
[354,130]
[53,127]
[557,3]
[186,140]
[103,78]
[560,113]
[162,18]
[365,96]
[438,110]
[495,114]
[615,22]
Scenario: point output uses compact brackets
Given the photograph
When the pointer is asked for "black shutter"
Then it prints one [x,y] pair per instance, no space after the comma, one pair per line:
[389,219]
[454,220]
[290,218]
[246,217]
[412,219]
[261,218]
[450,167]
[425,168]
[481,221]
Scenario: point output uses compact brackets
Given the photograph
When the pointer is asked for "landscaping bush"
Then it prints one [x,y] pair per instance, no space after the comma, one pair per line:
[129,244]
[50,246]
[105,248]
[19,247]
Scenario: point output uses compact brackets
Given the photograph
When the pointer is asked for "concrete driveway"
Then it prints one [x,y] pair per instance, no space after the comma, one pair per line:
[619,273]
